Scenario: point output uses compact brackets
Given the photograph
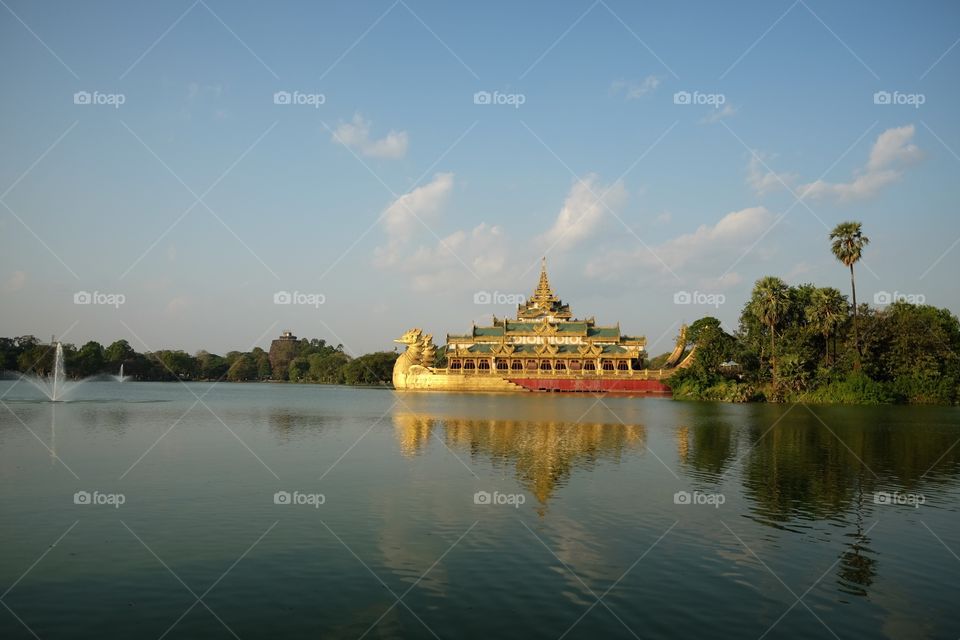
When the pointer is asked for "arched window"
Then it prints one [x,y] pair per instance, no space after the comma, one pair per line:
[575,365]
[622,365]
[589,365]
[561,366]
[516,365]
[469,365]
[455,364]
[545,365]
[501,364]
[531,365]
[607,365]
[484,365]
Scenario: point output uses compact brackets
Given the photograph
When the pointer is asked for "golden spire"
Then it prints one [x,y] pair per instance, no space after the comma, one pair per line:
[543,295]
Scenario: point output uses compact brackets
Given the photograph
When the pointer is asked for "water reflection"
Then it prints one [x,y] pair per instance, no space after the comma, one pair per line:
[822,472]
[542,453]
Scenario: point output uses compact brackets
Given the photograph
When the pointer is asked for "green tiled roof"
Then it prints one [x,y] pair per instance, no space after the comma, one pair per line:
[604,332]
[488,331]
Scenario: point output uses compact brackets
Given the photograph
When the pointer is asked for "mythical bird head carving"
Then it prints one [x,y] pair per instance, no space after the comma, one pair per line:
[410,337]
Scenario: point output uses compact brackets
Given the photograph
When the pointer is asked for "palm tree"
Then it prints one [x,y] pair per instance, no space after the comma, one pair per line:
[848,243]
[769,304]
[826,313]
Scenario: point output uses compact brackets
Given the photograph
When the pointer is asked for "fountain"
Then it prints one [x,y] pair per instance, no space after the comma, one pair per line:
[55,386]
[59,374]
[121,377]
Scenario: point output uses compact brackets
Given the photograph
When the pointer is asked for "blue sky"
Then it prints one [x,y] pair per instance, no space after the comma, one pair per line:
[399,198]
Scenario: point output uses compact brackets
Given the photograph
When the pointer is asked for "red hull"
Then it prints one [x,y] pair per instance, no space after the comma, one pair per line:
[593,385]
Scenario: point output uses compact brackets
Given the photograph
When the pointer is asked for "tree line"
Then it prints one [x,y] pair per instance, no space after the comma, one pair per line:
[809,343]
[303,361]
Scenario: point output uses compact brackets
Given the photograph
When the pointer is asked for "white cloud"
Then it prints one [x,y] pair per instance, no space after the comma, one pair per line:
[764,180]
[356,134]
[719,114]
[893,146]
[482,249]
[711,248]
[15,282]
[891,154]
[438,262]
[633,89]
[583,211]
[406,215]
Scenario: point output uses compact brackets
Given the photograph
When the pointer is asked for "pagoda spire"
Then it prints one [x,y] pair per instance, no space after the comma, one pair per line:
[544,295]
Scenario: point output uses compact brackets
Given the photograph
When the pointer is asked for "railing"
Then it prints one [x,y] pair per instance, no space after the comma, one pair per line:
[641,374]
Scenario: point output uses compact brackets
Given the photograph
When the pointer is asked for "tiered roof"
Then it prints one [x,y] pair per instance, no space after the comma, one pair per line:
[545,315]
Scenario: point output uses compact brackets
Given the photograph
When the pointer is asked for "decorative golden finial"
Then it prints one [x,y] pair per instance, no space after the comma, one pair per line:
[543,295]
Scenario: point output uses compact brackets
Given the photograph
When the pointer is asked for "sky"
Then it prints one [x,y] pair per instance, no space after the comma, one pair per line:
[205,175]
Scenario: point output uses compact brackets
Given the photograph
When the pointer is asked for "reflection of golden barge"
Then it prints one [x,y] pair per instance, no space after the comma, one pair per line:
[544,349]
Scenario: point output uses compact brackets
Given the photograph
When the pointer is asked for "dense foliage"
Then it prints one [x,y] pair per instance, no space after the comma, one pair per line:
[910,353]
[313,361]
[808,343]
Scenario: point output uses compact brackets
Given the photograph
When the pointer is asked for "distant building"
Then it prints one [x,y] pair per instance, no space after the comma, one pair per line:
[282,351]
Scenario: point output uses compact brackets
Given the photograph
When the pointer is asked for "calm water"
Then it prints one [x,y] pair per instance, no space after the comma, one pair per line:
[588,540]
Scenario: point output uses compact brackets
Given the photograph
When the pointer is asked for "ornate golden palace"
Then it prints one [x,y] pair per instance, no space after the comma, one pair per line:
[544,349]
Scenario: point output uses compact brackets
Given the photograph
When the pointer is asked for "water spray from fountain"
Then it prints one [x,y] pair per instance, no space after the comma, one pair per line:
[59,374]
[54,386]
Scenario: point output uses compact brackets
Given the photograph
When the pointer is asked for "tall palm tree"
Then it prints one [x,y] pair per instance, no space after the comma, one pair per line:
[769,304]
[827,311]
[847,246]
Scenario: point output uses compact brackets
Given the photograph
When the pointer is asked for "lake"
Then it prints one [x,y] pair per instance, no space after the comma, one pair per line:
[149,510]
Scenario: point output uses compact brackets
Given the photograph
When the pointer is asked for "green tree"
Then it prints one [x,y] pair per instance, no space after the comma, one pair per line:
[769,304]
[210,366]
[826,312]
[297,371]
[263,366]
[847,245]
[244,368]
[178,363]
[328,368]
[119,351]
[87,361]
